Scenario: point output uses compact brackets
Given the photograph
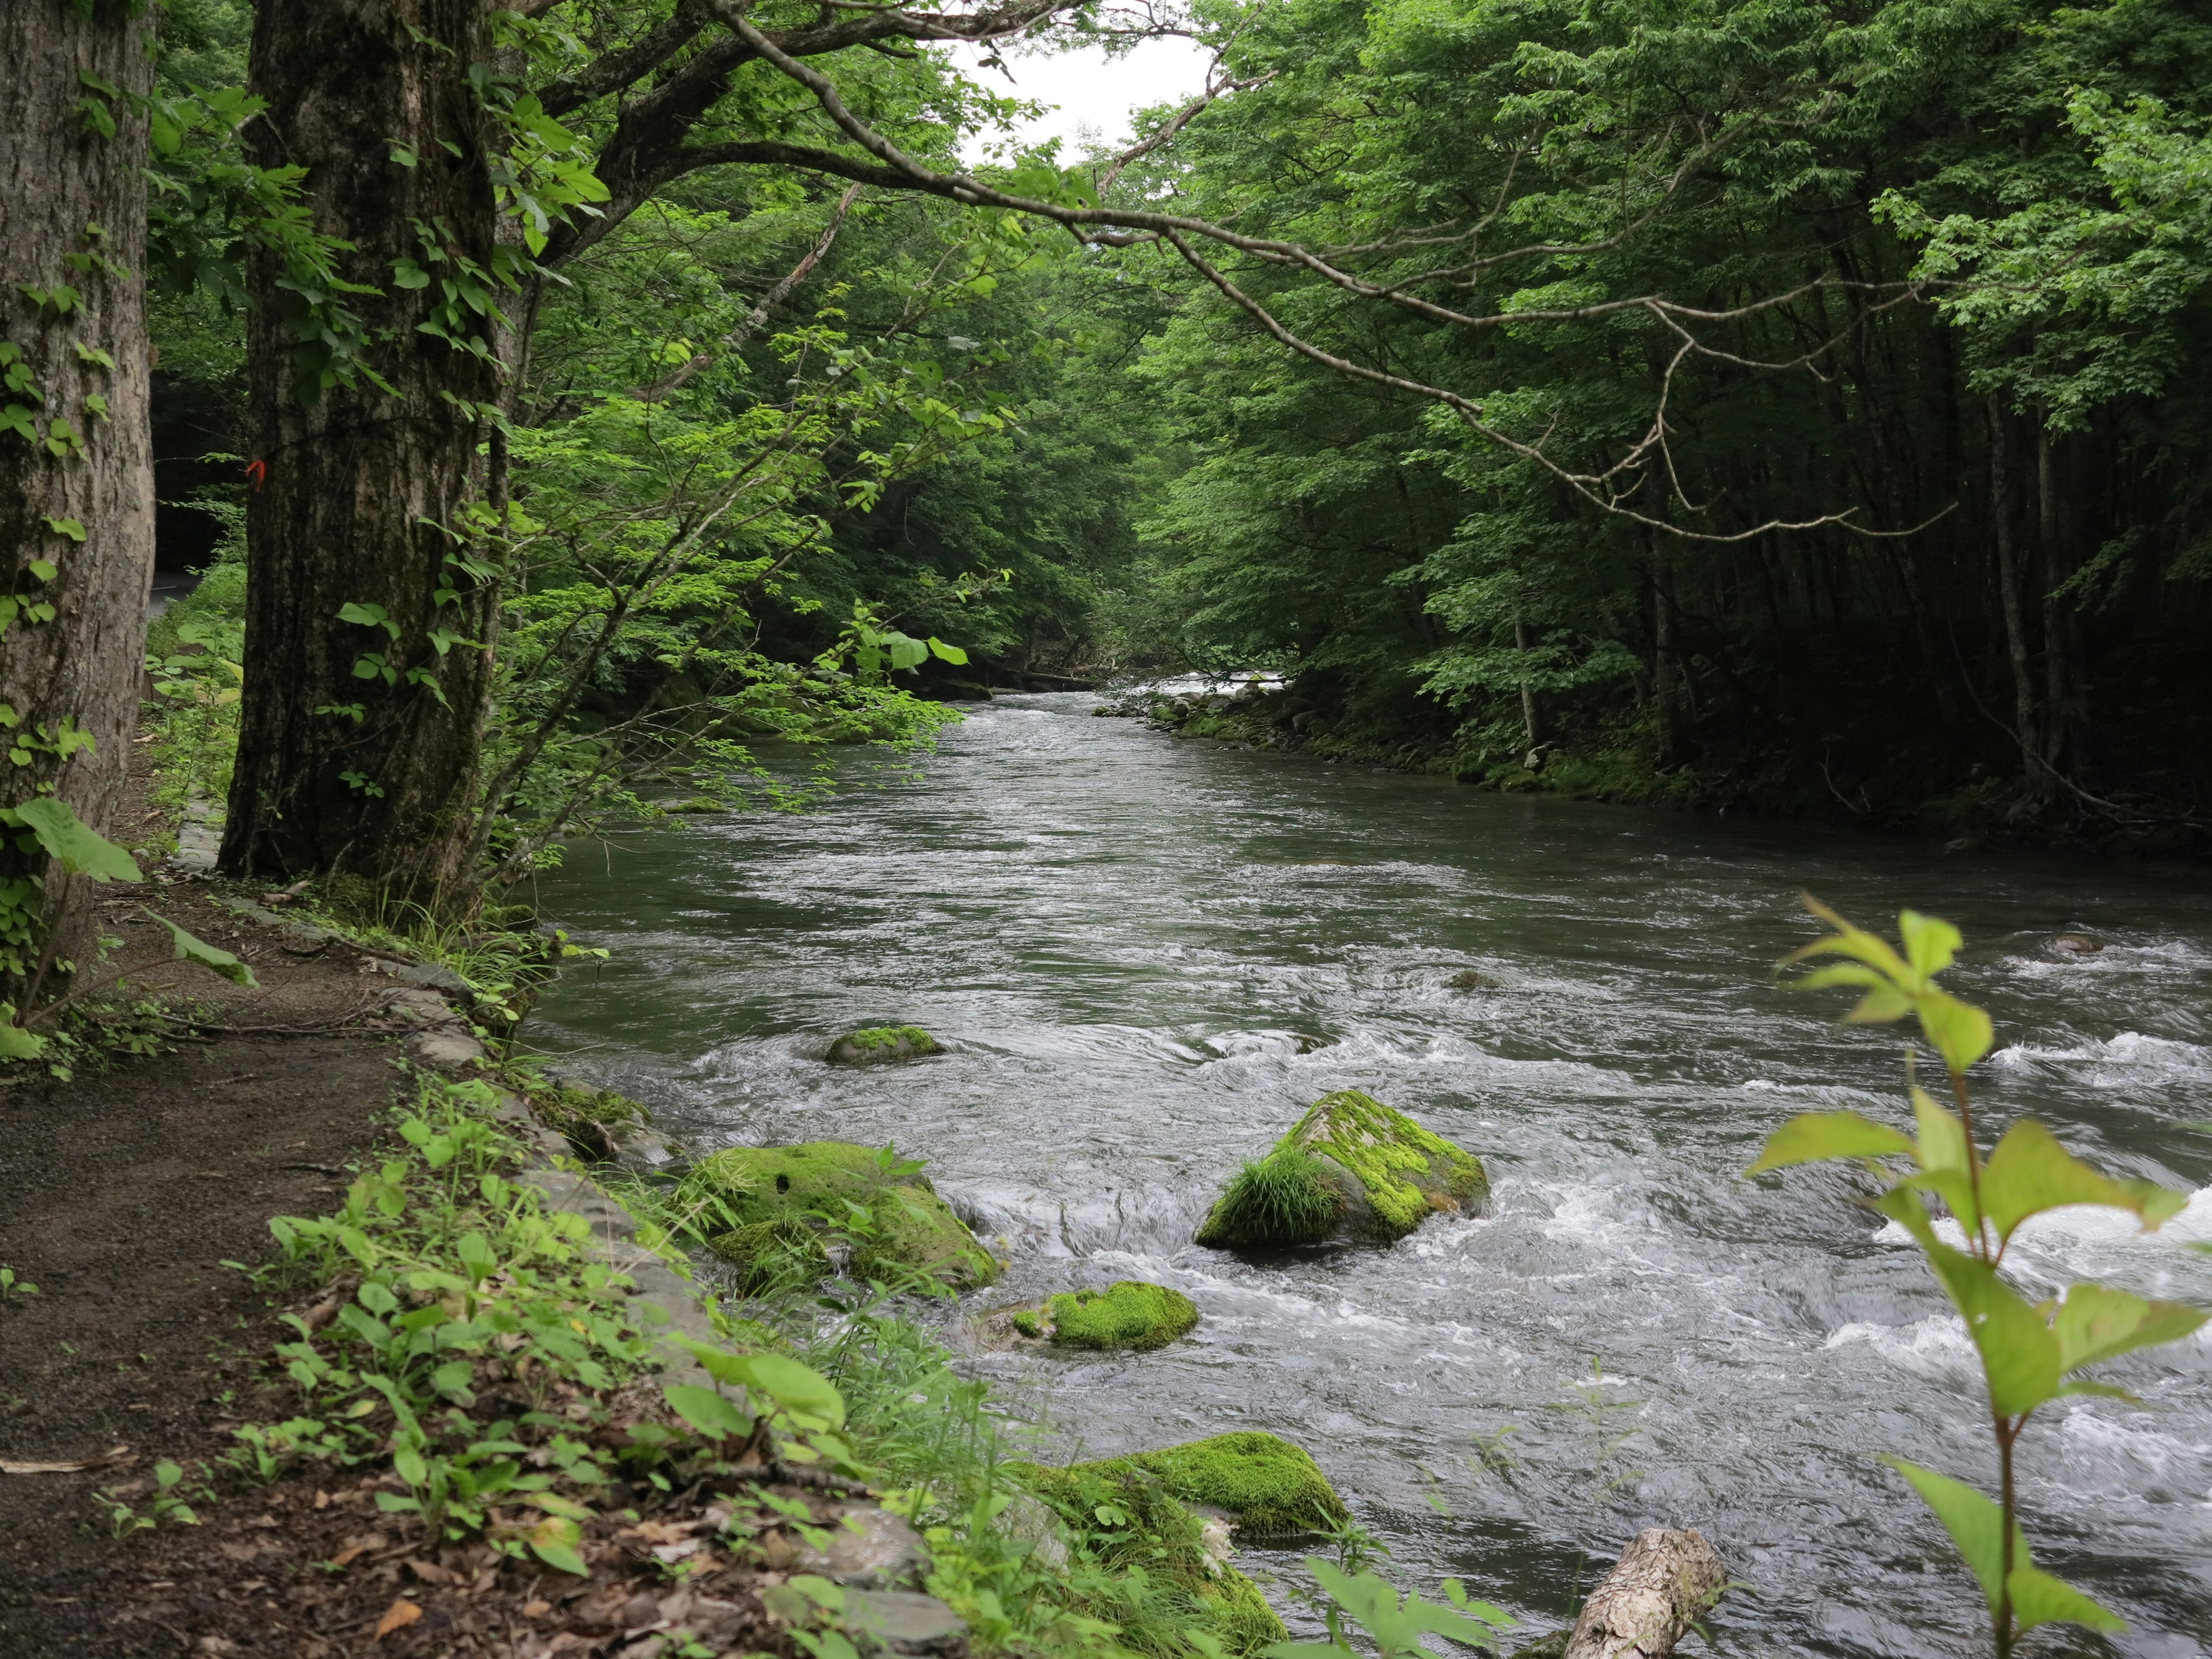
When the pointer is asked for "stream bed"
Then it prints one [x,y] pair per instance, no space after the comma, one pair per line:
[1125,940]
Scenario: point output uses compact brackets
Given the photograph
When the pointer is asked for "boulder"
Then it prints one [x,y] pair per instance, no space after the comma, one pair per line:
[901,1227]
[1353,1169]
[878,1045]
[1261,1484]
[1129,1315]
[1127,1518]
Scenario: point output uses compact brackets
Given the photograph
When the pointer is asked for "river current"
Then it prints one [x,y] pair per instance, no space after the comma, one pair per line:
[1124,940]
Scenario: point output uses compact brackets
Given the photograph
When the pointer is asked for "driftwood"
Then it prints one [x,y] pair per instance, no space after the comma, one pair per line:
[1664,1581]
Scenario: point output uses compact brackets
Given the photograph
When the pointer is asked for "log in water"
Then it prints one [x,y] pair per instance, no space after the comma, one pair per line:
[1127,944]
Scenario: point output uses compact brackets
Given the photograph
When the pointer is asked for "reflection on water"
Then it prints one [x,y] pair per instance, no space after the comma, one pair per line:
[1122,939]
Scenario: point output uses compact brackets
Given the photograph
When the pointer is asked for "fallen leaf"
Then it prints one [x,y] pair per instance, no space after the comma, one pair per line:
[355,1547]
[429,1571]
[400,1614]
[114,1454]
[322,1500]
[536,1609]
[660,1532]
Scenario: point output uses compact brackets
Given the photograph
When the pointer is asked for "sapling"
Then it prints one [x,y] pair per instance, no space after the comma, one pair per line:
[2031,1353]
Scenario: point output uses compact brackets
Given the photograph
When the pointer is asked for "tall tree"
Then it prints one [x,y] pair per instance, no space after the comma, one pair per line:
[76,490]
[429,166]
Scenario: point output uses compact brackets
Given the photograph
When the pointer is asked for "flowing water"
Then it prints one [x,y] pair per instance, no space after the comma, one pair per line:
[1123,939]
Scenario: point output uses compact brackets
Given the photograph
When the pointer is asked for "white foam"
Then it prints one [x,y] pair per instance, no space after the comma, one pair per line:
[2128,1060]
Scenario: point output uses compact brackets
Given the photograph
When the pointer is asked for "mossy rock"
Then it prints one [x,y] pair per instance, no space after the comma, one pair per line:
[1351,1170]
[587,1117]
[1473,979]
[1121,1516]
[878,1045]
[1129,1315]
[901,1227]
[696,804]
[1263,1484]
[783,1253]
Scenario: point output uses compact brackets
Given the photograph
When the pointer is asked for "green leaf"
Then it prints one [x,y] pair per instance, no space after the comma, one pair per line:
[2030,1172]
[707,1411]
[2039,1599]
[2095,1323]
[561,1558]
[1961,1032]
[1930,945]
[72,528]
[1942,1136]
[81,850]
[16,1042]
[1812,1136]
[43,570]
[189,948]
[2020,1354]
[1976,1524]
[943,652]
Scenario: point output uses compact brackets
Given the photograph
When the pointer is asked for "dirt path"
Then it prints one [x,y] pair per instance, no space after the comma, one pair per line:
[122,1194]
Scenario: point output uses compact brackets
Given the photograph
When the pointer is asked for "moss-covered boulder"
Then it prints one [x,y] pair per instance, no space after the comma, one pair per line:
[783,1253]
[1263,1484]
[1353,1169]
[1119,1517]
[1129,1315]
[880,1204]
[878,1045]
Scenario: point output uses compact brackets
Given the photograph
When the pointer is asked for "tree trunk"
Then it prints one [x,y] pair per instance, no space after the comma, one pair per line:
[2057,694]
[2001,515]
[1529,726]
[1664,667]
[358,740]
[75,452]
[1664,1581]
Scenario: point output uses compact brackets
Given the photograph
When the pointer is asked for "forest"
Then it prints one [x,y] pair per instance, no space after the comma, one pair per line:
[442,438]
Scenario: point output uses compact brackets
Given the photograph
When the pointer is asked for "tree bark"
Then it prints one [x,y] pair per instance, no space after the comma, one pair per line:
[2000,516]
[358,742]
[77,452]
[1530,731]
[1664,1581]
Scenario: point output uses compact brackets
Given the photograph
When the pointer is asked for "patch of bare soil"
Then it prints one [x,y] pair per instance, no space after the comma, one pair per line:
[122,1194]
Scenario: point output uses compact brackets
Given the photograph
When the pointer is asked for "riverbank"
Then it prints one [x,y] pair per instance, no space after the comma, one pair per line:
[1986,811]
[333,1349]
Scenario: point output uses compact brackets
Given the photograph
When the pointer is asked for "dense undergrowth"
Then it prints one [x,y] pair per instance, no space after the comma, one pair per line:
[463,1348]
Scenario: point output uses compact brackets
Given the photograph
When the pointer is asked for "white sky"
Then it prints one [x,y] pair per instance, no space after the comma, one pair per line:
[1090,92]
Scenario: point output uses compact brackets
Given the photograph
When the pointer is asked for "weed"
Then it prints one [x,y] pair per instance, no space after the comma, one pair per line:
[10,1285]
[167,1508]
[1285,1198]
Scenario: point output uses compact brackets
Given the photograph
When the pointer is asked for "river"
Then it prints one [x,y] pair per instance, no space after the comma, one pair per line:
[1122,937]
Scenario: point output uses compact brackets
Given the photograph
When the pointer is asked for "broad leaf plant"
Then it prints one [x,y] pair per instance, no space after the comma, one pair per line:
[2031,1353]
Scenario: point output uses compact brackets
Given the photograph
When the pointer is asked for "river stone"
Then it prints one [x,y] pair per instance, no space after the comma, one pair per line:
[1353,1169]
[1130,1314]
[868,1549]
[2076,945]
[444,1050]
[909,1227]
[878,1045]
[1472,980]
[905,1621]
[1261,1484]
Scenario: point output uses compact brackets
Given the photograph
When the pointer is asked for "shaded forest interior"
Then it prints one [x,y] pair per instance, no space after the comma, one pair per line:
[1922,538]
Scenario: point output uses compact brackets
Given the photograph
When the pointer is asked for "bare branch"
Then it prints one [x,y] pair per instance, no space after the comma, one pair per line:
[759,314]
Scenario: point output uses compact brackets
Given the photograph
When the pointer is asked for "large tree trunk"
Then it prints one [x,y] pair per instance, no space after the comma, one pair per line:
[2008,596]
[1665,1580]
[358,741]
[75,452]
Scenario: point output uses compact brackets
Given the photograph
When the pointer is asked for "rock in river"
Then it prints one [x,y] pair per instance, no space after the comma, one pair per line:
[877,1045]
[1129,1315]
[903,1228]
[1353,1169]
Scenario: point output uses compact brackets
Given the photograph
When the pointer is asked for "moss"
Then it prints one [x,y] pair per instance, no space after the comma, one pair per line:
[584,1116]
[783,1253]
[1029,1324]
[1384,1173]
[1263,1483]
[874,1045]
[1124,1518]
[1129,1315]
[898,1224]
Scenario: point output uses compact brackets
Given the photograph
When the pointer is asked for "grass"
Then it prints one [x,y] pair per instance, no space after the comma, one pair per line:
[1285,1198]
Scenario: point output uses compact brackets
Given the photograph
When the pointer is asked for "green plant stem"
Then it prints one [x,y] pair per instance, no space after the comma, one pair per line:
[2008,1431]
[1980,1242]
